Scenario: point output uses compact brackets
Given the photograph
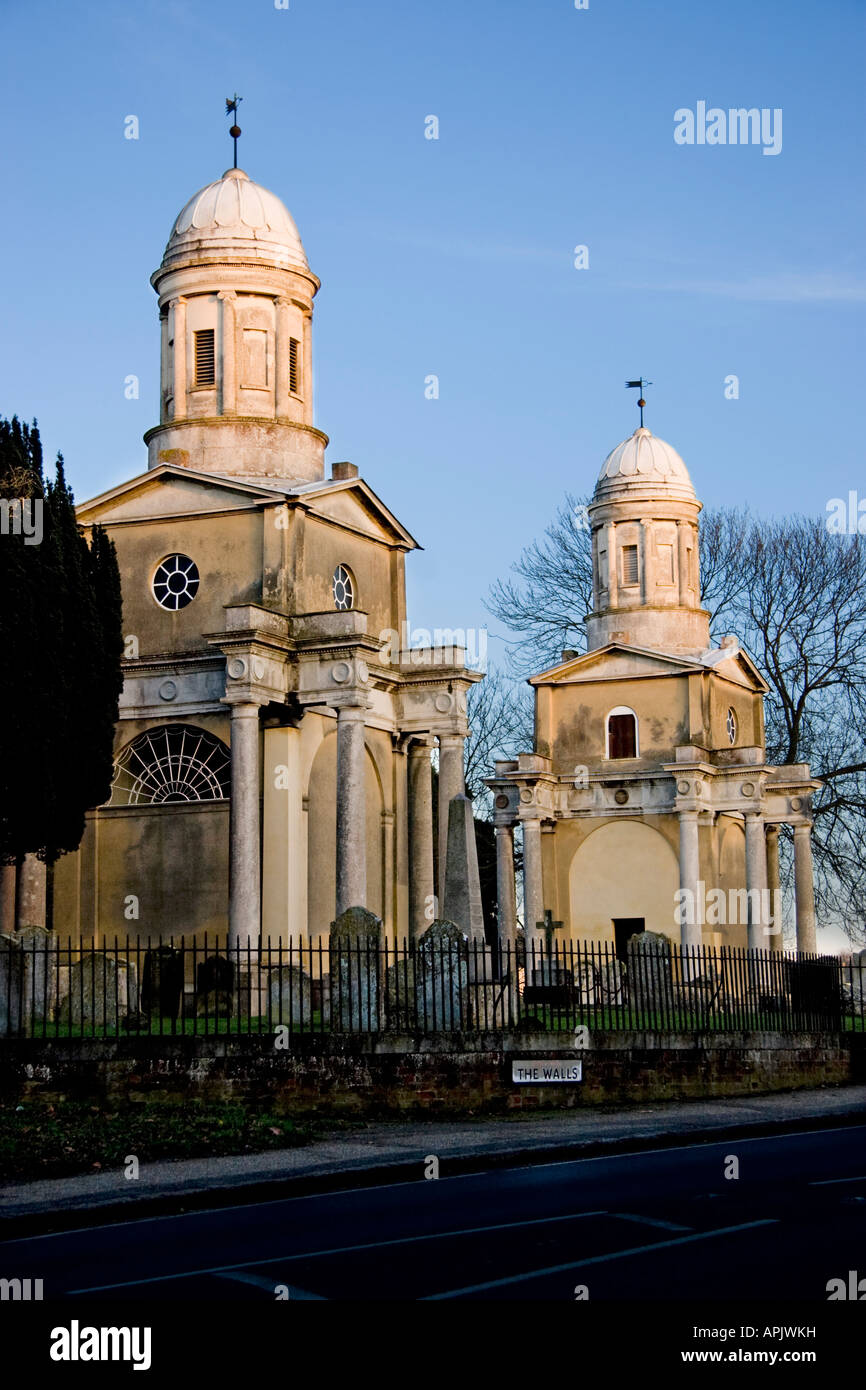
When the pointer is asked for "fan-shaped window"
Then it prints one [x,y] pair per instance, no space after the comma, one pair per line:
[175,762]
[343,589]
[622,733]
[175,582]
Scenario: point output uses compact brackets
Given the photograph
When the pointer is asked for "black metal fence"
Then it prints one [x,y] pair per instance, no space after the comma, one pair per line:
[206,987]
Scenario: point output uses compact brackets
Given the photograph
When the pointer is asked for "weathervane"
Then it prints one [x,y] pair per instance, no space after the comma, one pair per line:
[232,104]
[640,384]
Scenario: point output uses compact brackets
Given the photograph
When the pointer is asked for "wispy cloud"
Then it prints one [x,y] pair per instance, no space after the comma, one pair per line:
[789,287]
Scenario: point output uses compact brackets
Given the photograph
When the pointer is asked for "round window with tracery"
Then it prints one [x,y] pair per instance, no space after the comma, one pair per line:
[175,583]
[732,727]
[343,589]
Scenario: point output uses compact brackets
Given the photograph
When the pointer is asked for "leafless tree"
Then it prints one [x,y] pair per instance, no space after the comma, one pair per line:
[500,710]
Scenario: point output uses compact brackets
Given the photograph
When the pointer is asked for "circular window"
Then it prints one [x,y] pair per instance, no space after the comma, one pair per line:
[732,726]
[175,583]
[343,589]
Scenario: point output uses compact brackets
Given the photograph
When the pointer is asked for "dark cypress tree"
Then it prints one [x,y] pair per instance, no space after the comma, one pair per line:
[61,625]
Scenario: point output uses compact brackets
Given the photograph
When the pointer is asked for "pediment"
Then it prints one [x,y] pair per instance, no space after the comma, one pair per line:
[354,504]
[172,491]
[616,660]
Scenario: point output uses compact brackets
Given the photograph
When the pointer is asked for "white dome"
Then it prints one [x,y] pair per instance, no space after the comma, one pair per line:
[235,219]
[643,464]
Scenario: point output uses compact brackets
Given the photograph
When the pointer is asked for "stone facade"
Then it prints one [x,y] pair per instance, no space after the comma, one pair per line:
[270,715]
[648,802]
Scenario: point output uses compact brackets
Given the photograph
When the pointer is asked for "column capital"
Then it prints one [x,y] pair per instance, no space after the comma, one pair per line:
[178,299]
[227,294]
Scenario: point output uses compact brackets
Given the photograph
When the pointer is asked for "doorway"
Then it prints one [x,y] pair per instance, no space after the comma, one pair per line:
[623,928]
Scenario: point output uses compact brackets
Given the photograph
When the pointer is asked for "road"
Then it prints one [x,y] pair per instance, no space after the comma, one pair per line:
[654,1225]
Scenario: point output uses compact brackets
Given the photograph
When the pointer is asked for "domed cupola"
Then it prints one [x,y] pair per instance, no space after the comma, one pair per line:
[236,309]
[645,566]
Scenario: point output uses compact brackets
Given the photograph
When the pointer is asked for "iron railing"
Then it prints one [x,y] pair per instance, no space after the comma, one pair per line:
[206,987]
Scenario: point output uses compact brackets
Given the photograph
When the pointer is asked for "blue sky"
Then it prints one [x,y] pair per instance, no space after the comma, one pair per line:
[454,257]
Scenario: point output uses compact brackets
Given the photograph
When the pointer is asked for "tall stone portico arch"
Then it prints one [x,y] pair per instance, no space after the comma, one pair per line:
[600,893]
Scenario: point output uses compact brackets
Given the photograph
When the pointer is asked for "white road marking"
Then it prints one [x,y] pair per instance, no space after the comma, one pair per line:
[260,1282]
[594,1260]
[341,1250]
[828,1182]
[650,1221]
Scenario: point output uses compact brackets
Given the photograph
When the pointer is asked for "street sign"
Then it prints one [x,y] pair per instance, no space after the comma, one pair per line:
[543,1071]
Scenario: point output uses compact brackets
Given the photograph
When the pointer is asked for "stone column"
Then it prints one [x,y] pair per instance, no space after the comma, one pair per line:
[646,540]
[178,308]
[683,562]
[505,893]
[165,382]
[691,933]
[610,542]
[245,887]
[307,365]
[8,875]
[533,885]
[775,941]
[804,889]
[420,839]
[351,809]
[32,893]
[281,358]
[756,880]
[228,378]
[451,783]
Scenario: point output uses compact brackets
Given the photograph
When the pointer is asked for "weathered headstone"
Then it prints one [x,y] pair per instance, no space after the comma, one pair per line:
[214,988]
[442,977]
[649,972]
[39,991]
[355,971]
[11,983]
[291,997]
[462,903]
[610,981]
[400,995]
[162,981]
[101,992]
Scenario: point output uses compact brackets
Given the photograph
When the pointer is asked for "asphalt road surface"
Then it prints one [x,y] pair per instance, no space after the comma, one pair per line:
[658,1225]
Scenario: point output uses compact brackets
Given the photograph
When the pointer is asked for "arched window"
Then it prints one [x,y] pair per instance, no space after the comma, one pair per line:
[175,762]
[622,741]
[343,589]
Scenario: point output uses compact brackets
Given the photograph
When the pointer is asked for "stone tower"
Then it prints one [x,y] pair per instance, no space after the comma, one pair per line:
[236,310]
[645,568]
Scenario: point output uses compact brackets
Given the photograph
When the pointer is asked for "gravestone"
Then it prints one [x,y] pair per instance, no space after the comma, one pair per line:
[11,983]
[101,991]
[39,985]
[162,981]
[649,972]
[290,996]
[462,900]
[400,996]
[214,988]
[355,971]
[610,981]
[442,978]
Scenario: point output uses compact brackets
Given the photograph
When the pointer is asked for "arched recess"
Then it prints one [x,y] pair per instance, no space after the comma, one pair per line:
[623,870]
[322,838]
[732,876]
